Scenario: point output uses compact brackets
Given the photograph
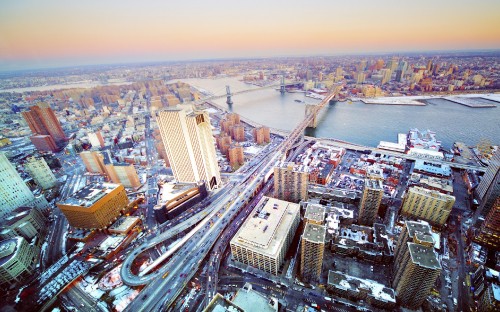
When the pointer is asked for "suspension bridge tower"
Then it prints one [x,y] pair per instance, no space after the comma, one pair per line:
[229,101]
[282,87]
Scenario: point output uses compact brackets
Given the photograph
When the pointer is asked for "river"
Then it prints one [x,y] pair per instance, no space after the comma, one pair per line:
[357,122]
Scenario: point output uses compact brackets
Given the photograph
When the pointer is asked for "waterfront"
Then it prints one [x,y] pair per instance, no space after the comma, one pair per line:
[357,122]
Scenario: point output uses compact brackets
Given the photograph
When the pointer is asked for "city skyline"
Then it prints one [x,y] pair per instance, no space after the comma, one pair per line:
[55,34]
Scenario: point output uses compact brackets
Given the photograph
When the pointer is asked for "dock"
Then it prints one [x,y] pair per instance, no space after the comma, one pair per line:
[393,101]
[473,102]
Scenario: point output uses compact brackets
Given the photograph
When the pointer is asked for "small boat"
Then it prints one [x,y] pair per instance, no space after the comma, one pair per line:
[299,101]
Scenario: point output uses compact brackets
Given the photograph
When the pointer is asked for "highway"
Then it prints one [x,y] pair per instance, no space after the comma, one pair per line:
[162,290]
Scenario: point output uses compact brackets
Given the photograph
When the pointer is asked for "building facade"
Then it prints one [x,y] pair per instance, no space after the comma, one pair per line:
[291,182]
[42,121]
[311,251]
[13,190]
[93,161]
[370,202]
[261,135]
[40,172]
[96,206]
[489,232]
[236,156]
[189,144]
[489,186]
[17,260]
[123,173]
[263,241]
[428,205]
[417,273]
[27,222]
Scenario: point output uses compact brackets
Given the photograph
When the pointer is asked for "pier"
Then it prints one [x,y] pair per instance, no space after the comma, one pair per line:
[471,101]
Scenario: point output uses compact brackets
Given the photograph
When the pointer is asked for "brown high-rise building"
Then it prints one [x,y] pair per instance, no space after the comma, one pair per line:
[42,121]
[238,133]
[223,143]
[102,163]
[261,135]
[123,173]
[94,162]
[413,232]
[290,182]
[372,197]
[236,157]
[96,206]
[416,265]
[417,273]
[44,143]
[489,232]
[311,251]
[235,118]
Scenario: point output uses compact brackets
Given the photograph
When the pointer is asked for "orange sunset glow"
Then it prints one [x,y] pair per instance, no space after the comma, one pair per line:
[42,33]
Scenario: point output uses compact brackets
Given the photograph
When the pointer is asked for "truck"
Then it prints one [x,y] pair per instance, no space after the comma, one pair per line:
[328,299]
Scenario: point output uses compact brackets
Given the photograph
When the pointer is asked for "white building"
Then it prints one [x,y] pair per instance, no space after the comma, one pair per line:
[189,144]
[264,237]
[17,258]
[13,190]
[40,172]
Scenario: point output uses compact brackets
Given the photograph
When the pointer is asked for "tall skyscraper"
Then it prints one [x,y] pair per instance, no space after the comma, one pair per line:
[102,163]
[428,205]
[42,121]
[417,274]
[489,186]
[188,140]
[290,182]
[413,232]
[416,264]
[123,173]
[94,161]
[13,190]
[40,172]
[489,232]
[96,139]
[386,75]
[370,202]
[311,251]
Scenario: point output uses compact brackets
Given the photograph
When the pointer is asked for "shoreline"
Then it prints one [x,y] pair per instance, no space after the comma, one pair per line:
[471,100]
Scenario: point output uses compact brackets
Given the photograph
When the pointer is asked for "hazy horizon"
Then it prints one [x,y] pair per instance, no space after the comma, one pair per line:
[51,34]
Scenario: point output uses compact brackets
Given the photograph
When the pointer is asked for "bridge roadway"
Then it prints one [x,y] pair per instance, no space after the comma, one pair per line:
[163,290]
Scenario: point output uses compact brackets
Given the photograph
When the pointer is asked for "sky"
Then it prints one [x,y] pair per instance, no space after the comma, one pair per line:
[49,33]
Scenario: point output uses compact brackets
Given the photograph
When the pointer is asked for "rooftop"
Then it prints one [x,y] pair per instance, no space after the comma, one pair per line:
[221,304]
[373,184]
[315,212]
[431,167]
[16,215]
[430,193]
[314,233]
[8,249]
[251,300]
[418,226]
[293,167]
[268,225]
[424,256]
[90,194]
[123,223]
[347,282]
